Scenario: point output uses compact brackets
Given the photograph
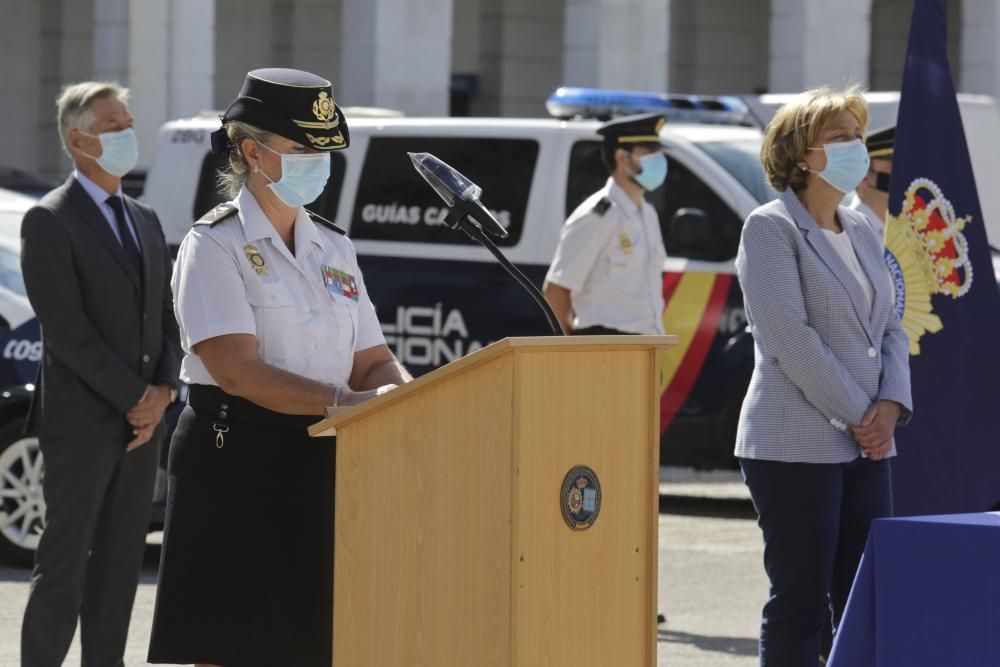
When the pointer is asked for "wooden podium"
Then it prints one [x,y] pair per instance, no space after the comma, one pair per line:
[452,545]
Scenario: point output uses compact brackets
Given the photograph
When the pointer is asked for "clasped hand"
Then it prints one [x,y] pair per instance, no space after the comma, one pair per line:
[874,434]
[147,413]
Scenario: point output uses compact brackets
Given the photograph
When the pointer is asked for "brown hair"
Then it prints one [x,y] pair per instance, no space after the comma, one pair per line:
[798,125]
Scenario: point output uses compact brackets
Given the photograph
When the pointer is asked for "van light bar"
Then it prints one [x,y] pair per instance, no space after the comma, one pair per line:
[603,104]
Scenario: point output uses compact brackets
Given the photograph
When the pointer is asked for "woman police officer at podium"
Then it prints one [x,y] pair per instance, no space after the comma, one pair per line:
[276,325]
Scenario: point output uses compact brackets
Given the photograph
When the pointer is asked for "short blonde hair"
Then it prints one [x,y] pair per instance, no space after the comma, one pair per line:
[73,105]
[798,125]
[232,179]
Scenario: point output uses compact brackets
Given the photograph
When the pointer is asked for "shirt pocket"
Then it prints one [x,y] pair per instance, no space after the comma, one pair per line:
[274,316]
[346,314]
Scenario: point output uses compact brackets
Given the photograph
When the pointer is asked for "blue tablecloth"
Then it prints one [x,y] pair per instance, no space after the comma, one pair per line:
[927,592]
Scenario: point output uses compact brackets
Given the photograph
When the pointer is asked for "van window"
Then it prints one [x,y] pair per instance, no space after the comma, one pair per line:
[394,203]
[682,189]
[742,160]
[208,196]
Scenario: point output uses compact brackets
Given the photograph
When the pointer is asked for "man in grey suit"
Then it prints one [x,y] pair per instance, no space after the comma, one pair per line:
[97,271]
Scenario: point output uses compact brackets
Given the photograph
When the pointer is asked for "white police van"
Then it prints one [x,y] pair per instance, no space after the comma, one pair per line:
[440,297]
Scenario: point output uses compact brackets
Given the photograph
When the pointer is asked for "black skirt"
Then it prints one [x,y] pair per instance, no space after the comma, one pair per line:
[246,571]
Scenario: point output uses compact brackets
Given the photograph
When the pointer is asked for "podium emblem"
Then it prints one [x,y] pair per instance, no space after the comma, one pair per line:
[580,498]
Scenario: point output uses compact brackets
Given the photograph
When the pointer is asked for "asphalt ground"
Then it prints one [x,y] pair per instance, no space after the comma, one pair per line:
[711,581]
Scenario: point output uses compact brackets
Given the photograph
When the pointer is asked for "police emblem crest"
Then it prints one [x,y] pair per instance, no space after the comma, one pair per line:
[927,254]
[323,107]
[625,243]
[256,259]
[580,498]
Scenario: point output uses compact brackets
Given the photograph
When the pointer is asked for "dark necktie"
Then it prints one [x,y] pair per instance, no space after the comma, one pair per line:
[128,243]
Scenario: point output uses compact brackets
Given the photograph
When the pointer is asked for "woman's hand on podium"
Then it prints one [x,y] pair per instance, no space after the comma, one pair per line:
[349,398]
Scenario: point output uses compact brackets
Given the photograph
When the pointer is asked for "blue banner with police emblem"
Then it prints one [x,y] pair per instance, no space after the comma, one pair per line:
[946,294]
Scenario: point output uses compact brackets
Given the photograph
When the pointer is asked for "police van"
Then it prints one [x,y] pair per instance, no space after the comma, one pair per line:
[439,297]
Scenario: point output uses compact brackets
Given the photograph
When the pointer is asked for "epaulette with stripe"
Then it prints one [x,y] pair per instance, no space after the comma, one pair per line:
[320,220]
[217,215]
[602,206]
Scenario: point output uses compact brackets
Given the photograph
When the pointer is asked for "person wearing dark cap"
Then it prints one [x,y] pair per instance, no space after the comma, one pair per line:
[607,273]
[276,325]
[871,197]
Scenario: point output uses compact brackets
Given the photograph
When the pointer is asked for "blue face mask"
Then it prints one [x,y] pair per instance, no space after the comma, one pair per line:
[653,172]
[303,177]
[119,151]
[846,164]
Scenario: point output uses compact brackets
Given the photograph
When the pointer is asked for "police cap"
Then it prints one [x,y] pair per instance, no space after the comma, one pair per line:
[880,144]
[291,103]
[632,130]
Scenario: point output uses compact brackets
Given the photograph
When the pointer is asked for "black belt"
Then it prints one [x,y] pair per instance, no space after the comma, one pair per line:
[226,408]
[600,330]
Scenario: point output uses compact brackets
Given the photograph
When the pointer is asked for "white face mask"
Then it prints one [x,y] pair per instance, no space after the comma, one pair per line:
[846,164]
[119,151]
[303,177]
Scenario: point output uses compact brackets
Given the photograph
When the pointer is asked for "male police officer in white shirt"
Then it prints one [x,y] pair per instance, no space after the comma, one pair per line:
[607,273]
[872,195]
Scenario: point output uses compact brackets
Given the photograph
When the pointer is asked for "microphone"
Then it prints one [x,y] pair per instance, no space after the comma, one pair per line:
[457,191]
[467,213]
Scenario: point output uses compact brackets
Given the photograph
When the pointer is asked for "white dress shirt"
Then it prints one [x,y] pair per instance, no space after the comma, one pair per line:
[100,197]
[309,312]
[612,263]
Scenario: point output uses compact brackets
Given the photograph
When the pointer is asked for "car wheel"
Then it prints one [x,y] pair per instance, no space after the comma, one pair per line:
[22,506]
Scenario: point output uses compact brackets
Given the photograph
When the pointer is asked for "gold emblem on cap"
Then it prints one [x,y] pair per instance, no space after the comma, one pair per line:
[659,125]
[323,141]
[323,107]
[325,110]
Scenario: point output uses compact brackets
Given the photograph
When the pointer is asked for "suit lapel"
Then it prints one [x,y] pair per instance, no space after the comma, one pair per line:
[92,216]
[825,250]
[874,269]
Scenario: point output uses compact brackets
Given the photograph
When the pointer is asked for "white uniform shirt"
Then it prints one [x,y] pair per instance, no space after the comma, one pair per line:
[310,313]
[612,263]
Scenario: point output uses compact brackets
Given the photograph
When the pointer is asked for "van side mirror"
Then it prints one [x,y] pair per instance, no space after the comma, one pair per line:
[694,235]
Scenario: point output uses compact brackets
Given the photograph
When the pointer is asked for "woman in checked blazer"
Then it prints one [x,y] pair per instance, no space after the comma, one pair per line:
[831,377]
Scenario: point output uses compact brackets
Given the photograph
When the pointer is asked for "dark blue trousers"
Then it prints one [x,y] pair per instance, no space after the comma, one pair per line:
[815,519]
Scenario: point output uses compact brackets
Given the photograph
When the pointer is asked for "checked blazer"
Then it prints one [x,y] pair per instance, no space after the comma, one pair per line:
[821,355]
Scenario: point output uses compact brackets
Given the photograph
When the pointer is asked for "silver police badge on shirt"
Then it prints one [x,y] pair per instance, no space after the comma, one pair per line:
[580,499]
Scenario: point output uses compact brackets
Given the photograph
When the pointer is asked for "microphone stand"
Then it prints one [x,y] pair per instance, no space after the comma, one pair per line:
[457,218]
